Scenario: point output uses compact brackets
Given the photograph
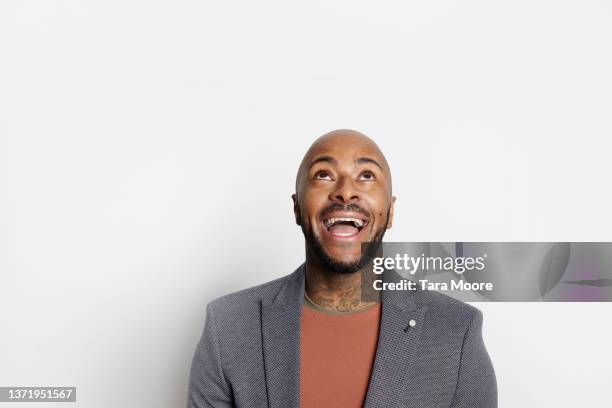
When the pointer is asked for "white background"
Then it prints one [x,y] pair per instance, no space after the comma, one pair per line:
[148,152]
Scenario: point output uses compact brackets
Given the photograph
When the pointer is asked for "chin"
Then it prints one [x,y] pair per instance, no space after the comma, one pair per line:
[345,258]
[349,263]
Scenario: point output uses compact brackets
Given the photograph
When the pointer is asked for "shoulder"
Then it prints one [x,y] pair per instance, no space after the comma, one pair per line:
[245,302]
[450,312]
[235,319]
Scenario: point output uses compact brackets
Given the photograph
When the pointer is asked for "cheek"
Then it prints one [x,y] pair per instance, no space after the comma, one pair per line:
[379,205]
[312,203]
[380,213]
[308,213]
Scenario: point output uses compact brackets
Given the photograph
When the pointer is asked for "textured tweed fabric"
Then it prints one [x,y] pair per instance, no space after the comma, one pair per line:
[248,355]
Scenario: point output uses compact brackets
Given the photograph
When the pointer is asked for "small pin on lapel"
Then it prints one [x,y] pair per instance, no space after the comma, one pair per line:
[411,323]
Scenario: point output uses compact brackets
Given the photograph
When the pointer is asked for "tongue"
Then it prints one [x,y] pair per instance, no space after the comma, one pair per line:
[343,229]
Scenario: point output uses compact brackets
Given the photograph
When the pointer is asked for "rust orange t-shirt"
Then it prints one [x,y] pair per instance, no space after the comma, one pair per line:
[336,357]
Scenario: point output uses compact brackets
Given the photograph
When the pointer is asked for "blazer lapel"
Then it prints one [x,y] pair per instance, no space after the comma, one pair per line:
[401,324]
[281,343]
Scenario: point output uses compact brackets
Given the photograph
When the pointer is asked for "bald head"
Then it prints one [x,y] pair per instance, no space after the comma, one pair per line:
[343,140]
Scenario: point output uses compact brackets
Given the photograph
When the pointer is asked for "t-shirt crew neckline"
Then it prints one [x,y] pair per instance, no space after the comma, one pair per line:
[316,310]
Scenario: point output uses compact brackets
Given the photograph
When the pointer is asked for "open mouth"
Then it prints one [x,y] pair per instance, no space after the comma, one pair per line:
[344,226]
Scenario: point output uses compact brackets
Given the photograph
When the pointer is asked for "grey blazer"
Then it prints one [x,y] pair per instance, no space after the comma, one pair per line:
[249,354]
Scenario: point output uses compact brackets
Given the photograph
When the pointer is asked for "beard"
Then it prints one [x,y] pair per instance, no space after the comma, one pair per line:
[337,266]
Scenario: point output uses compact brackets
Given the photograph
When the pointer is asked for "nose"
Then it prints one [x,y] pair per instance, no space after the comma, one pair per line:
[344,191]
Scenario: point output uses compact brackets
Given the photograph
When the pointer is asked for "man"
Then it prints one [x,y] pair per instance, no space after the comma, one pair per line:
[310,340]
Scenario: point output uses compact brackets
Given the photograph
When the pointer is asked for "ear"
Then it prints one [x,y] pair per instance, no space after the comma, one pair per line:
[390,221]
[296,209]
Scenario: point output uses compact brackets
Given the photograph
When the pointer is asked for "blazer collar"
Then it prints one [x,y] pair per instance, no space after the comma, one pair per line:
[402,321]
[280,321]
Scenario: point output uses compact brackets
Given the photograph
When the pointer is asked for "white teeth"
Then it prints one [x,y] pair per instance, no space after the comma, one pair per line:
[331,221]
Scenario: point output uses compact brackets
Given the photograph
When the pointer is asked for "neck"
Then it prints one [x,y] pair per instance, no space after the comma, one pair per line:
[333,291]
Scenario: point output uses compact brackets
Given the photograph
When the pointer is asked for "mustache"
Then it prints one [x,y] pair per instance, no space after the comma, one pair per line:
[339,207]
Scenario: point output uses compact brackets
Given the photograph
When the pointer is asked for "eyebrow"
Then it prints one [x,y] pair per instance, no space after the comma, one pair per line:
[327,159]
[331,160]
[365,160]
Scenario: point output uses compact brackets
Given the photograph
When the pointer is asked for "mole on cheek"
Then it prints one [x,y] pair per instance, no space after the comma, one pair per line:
[380,214]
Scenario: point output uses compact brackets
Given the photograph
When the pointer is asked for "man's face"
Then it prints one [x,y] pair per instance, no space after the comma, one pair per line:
[343,199]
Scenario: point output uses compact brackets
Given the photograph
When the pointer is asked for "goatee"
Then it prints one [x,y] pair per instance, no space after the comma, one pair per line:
[340,267]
